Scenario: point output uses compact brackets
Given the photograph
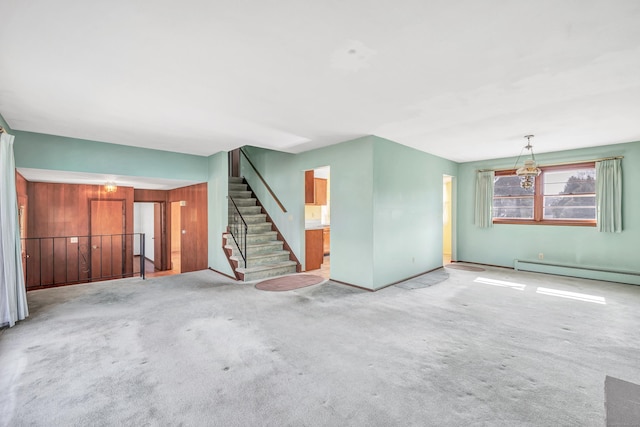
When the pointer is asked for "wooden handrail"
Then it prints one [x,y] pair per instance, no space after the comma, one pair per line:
[264,182]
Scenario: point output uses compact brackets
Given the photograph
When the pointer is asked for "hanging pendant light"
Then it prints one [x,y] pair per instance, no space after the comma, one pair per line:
[529,171]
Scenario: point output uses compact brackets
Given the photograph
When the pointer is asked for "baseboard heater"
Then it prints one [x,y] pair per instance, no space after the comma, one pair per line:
[586,272]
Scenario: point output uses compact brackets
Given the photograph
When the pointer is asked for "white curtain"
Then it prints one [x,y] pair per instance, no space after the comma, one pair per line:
[13,295]
[609,195]
[484,199]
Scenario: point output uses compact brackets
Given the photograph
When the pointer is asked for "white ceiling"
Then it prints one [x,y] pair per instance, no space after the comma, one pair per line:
[465,80]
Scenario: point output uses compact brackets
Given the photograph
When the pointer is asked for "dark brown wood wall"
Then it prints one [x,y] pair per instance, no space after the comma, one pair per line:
[148,196]
[194,242]
[58,210]
[21,185]
[64,210]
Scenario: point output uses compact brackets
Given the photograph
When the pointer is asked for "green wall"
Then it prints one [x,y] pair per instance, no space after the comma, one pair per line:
[217,191]
[49,152]
[351,201]
[407,211]
[386,206]
[503,243]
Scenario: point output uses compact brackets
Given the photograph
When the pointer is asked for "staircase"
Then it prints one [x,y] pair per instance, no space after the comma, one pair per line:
[265,254]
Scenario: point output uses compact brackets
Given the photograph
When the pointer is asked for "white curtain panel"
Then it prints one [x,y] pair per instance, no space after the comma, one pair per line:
[13,295]
[609,195]
[484,199]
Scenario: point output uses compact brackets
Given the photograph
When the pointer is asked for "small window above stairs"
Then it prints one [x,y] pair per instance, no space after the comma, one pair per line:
[266,256]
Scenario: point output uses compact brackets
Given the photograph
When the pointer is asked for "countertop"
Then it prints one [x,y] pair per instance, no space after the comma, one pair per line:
[316,226]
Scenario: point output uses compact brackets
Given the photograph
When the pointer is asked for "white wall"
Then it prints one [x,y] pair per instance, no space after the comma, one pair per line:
[143,221]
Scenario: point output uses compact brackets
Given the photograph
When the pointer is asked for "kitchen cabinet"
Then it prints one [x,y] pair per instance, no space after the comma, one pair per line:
[326,240]
[314,253]
[320,189]
[309,188]
[315,189]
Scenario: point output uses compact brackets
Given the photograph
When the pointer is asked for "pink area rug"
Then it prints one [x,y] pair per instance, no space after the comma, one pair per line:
[288,283]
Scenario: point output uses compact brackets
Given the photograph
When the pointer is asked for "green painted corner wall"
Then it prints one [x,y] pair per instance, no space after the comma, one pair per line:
[407,211]
[217,192]
[50,152]
[585,246]
[386,206]
[351,201]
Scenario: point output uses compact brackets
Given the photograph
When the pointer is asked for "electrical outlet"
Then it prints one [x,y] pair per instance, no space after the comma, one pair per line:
[540,255]
[73,240]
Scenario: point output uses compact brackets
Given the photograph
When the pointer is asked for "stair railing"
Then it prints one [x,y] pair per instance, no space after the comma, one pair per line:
[238,229]
[263,181]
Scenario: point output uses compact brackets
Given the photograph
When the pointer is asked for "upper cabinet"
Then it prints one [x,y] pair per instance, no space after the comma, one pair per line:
[315,189]
[320,187]
[309,189]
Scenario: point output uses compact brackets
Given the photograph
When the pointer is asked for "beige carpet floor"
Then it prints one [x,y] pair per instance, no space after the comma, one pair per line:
[491,348]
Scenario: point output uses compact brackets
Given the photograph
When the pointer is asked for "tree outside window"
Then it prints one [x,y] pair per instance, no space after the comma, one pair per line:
[561,195]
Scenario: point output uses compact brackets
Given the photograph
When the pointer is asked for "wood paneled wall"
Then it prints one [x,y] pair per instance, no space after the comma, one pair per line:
[64,209]
[59,210]
[21,185]
[194,242]
[148,196]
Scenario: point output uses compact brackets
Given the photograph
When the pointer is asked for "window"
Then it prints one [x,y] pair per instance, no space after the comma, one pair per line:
[561,195]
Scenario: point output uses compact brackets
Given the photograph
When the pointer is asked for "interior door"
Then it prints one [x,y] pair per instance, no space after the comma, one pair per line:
[107,239]
[158,221]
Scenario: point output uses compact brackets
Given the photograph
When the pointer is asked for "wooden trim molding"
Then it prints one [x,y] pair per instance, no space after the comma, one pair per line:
[223,274]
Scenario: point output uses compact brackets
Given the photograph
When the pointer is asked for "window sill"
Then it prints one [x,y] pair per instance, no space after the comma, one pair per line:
[576,223]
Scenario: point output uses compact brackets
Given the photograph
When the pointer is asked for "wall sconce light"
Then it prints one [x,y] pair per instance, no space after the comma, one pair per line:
[110,187]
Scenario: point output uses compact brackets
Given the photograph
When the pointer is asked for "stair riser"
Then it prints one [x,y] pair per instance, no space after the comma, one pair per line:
[237,187]
[240,194]
[242,202]
[270,273]
[263,261]
[249,210]
[258,228]
[254,238]
[258,250]
[255,219]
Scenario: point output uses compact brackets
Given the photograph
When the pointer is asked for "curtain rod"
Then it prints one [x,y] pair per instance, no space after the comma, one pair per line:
[556,164]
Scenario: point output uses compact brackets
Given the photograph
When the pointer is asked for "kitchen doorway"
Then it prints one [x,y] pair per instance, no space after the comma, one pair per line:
[317,221]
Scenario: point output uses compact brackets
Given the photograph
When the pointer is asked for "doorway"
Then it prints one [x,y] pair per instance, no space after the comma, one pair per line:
[148,218]
[176,237]
[317,221]
[107,239]
[447,215]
